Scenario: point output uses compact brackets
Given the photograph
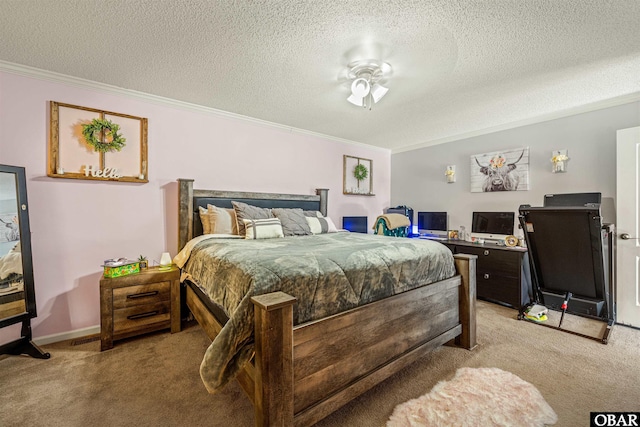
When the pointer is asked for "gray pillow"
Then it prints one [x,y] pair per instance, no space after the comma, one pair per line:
[245,211]
[294,222]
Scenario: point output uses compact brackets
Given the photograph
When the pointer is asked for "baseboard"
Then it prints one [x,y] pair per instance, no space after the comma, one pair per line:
[64,336]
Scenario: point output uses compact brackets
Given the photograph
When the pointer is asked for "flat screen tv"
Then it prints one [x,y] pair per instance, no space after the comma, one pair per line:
[356,224]
[432,223]
[492,225]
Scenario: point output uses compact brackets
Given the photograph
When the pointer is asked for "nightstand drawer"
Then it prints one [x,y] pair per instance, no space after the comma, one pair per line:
[133,296]
[141,317]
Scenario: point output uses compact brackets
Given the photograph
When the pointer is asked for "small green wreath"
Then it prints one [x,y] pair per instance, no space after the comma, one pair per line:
[106,128]
[360,172]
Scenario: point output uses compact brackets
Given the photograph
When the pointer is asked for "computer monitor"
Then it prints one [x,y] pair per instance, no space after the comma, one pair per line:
[492,225]
[432,223]
[356,224]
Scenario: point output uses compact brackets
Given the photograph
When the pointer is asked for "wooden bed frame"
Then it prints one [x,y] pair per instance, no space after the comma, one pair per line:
[300,374]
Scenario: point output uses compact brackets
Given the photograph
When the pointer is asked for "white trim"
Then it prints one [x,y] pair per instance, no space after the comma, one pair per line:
[613,102]
[37,73]
[63,336]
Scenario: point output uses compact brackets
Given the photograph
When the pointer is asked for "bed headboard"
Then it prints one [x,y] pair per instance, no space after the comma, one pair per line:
[189,199]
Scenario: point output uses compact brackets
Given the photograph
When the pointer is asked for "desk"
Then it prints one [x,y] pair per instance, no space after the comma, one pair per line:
[503,273]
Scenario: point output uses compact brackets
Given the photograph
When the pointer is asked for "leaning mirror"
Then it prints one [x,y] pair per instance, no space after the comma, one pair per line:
[17,296]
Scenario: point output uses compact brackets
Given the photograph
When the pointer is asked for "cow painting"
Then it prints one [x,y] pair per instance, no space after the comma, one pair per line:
[505,171]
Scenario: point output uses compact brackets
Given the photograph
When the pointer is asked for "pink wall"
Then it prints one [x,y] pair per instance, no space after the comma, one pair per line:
[77,224]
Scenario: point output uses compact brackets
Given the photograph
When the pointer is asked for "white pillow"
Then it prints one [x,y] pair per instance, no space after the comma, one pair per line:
[222,220]
[269,228]
[321,225]
[204,220]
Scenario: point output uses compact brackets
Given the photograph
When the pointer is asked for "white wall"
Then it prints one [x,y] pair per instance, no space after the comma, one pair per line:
[77,224]
[418,180]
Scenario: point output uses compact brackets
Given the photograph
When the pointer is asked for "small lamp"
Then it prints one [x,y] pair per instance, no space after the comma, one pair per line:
[165,261]
[559,159]
[450,173]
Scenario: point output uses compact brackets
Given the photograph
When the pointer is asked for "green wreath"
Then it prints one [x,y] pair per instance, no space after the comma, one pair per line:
[106,128]
[360,172]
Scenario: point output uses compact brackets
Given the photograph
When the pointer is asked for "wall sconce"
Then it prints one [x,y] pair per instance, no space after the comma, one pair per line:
[559,159]
[450,173]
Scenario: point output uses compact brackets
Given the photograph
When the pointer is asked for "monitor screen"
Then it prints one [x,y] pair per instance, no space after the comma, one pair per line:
[432,223]
[356,224]
[493,223]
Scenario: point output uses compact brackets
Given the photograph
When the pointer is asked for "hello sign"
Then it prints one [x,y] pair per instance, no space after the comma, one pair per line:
[72,155]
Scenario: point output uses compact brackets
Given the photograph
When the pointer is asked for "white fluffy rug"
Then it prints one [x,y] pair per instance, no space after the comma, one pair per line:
[477,397]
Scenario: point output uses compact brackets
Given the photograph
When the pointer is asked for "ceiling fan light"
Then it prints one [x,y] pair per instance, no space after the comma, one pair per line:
[360,87]
[366,76]
[355,100]
[378,91]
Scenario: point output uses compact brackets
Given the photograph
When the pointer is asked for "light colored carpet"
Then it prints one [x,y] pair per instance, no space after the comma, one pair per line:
[477,397]
[154,380]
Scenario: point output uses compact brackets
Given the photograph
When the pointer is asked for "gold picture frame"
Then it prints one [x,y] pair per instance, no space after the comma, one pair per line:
[353,167]
[72,157]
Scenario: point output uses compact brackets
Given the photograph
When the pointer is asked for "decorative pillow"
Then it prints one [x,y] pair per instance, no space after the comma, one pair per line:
[294,223]
[315,214]
[269,228]
[332,226]
[204,219]
[321,225]
[222,220]
[245,211]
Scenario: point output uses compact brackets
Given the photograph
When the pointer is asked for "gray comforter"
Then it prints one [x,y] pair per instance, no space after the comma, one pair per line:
[327,273]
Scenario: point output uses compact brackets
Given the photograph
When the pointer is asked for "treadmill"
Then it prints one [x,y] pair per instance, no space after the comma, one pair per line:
[571,254]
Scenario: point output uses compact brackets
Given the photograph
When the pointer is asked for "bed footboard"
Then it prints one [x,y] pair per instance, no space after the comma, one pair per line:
[466,267]
[303,374]
[273,401]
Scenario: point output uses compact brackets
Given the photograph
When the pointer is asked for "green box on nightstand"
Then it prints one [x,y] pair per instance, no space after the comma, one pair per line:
[122,269]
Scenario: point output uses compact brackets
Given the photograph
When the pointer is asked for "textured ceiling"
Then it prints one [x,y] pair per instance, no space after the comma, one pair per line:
[459,67]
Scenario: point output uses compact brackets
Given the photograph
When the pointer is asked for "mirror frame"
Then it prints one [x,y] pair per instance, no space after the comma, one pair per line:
[25,245]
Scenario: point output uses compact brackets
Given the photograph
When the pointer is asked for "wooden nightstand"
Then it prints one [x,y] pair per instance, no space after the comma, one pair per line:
[139,303]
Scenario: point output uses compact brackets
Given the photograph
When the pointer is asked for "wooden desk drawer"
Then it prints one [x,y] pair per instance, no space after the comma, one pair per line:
[499,287]
[501,272]
[132,296]
[141,317]
[508,263]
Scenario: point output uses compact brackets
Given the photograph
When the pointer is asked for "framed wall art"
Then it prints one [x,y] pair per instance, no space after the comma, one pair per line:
[357,176]
[506,170]
[86,143]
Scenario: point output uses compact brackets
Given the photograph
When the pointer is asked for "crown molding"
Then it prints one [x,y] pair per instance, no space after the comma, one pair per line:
[40,74]
[52,76]
[600,105]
